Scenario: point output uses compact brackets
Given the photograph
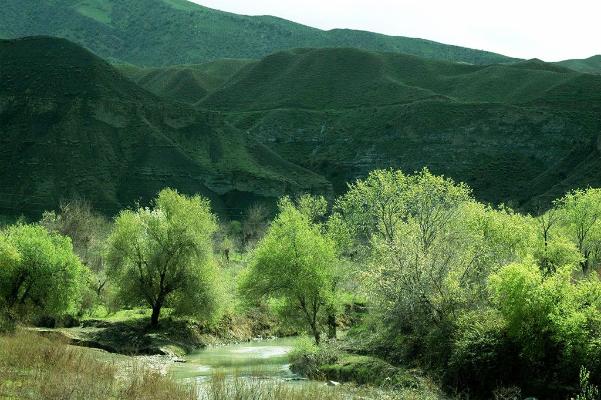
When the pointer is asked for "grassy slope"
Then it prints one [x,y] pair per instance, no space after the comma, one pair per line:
[187,83]
[167,32]
[341,78]
[515,133]
[71,125]
[591,65]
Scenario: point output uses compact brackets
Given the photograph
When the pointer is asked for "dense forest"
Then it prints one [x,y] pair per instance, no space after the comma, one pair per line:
[485,300]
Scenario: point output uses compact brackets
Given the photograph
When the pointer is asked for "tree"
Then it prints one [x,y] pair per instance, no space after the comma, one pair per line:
[313,207]
[581,218]
[431,249]
[294,266]
[39,273]
[163,256]
[88,231]
[254,223]
[375,205]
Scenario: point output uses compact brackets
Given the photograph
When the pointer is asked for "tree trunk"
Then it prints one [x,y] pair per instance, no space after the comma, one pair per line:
[316,334]
[154,318]
[332,333]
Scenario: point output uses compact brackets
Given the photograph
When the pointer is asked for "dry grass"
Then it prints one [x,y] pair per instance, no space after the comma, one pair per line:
[32,367]
[221,387]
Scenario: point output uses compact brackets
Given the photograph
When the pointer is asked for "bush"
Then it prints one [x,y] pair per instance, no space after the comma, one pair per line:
[306,358]
[483,356]
[538,332]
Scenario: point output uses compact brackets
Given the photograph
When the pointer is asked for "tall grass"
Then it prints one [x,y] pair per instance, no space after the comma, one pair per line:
[33,367]
[222,387]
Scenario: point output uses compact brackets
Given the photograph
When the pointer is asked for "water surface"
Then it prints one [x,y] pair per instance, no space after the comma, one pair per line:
[265,359]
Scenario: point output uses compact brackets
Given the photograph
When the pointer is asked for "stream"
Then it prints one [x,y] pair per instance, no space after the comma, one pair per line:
[267,359]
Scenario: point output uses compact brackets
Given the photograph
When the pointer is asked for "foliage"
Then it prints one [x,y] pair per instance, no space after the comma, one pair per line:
[432,248]
[88,231]
[482,354]
[39,273]
[587,390]
[581,217]
[546,315]
[254,224]
[163,256]
[294,266]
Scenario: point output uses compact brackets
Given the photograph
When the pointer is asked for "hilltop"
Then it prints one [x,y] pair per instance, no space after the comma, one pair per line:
[168,32]
[347,77]
[591,65]
[521,133]
[72,126]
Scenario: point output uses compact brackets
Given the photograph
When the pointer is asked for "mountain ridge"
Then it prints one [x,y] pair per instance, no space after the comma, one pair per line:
[161,32]
[73,126]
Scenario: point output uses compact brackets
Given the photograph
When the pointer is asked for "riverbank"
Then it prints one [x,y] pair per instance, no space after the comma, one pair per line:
[34,367]
[40,368]
[127,332]
[334,362]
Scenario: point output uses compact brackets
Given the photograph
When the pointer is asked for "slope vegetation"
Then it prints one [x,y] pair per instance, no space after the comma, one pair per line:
[186,83]
[169,32]
[591,65]
[519,133]
[73,126]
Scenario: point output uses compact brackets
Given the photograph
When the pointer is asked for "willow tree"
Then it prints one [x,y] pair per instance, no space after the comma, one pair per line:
[431,247]
[580,212]
[39,272]
[294,266]
[162,256]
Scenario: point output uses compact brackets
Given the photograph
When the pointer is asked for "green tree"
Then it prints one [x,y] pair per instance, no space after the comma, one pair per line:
[294,267]
[547,314]
[39,272]
[314,207]
[581,219]
[431,250]
[88,231]
[376,205]
[254,224]
[163,256]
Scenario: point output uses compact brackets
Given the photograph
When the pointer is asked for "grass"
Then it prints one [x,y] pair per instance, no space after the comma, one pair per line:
[331,362]
[32,367]
[221,387]
[36,368]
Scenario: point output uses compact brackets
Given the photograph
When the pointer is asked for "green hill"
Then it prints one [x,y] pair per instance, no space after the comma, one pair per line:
[187,83]
[169,32]
[298,120]
[73,126]
[591,65]
[516,133]
[346,77]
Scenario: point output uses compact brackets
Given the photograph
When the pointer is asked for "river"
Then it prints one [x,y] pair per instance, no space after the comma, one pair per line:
[264,359]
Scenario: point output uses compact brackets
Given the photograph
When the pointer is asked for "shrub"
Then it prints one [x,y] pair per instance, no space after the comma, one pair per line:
[483,356]
[39,273]
[307,358]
